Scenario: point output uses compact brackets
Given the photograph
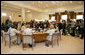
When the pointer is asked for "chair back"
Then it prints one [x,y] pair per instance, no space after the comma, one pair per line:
[27,38]
[6,36]
[55,36]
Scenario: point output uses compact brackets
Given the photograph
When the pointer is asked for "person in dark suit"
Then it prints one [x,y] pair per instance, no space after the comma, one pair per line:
[64,27]
[73,28]
[41,25]
[47,24]
[37,26]
[82,29]
[7,21]
[68,27]
[2,26]
[31,23]
[77,28]
[60,26]
[6,25]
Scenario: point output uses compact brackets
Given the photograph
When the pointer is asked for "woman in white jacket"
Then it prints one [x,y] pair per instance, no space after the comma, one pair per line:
[51,31]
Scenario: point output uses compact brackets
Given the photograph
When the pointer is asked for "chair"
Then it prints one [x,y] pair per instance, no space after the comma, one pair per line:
[2,35]
[27,39]
[54,37]
[9,39]
[59,34]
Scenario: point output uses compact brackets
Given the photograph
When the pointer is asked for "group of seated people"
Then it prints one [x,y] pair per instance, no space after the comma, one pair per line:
[27,30]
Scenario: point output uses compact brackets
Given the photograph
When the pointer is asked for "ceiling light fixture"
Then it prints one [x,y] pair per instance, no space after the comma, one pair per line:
[70,1]
[28,11]
[40,2]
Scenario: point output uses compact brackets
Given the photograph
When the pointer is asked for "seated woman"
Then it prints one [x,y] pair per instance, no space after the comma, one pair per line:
[12,31]
[28,31]
[51,31]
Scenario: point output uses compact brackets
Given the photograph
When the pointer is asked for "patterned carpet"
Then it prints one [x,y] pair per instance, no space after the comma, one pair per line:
[68,45]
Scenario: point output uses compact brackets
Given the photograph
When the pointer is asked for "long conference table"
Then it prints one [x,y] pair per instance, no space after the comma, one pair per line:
[38,36]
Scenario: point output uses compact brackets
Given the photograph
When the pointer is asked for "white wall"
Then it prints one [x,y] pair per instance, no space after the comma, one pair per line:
[36,15]
[11,13]
[29,16]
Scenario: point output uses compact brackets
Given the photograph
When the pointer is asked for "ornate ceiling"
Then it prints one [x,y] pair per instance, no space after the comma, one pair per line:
[44,6]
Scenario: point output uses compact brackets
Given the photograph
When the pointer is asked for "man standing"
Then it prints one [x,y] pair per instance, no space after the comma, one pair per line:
[82,28]
[73,28]
[64,27]
[60,26]
[68,27]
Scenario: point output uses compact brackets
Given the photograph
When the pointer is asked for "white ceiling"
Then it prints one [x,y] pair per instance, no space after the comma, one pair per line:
[44,6]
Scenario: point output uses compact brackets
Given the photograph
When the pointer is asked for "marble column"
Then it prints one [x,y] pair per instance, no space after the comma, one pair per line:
[23,14]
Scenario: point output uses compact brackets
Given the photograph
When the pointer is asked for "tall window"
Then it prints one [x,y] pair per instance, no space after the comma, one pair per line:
[63,17]
[53,18]
[79,17]
[3,14]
